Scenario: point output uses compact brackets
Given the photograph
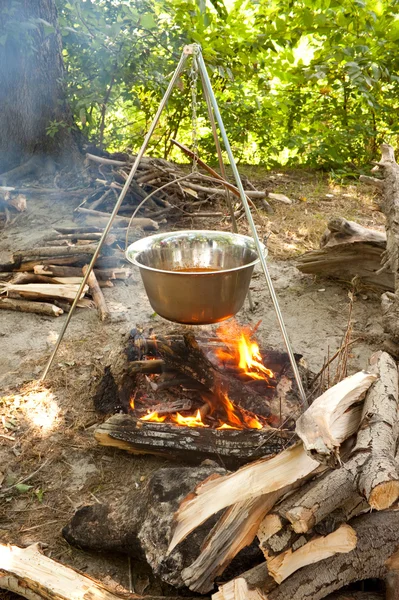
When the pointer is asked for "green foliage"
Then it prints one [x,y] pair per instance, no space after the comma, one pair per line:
[310,82]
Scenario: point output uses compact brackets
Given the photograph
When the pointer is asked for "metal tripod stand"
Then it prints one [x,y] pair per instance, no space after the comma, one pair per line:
[193,50]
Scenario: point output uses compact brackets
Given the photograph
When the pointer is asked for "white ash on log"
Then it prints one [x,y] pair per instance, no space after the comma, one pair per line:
[349,250]
[32,575]
[141,524]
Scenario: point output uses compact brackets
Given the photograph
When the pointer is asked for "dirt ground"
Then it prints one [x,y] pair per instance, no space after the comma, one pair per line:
[50,464]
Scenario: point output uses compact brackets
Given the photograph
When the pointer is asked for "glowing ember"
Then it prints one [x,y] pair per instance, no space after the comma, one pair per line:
[225,426]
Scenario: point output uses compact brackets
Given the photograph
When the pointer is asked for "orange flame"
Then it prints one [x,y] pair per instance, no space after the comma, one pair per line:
[154,417]
[189,421]
[241,351]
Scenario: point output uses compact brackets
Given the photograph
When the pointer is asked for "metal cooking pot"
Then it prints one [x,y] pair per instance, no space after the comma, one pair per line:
[195,277]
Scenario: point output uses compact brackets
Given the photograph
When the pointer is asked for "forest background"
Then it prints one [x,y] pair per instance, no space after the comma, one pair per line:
[299,82]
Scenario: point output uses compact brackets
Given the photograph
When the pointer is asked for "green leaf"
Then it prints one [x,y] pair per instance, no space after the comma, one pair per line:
[22,488]
[147,21]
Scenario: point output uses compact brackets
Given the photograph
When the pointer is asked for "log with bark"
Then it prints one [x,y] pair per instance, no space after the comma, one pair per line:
[39,308]
[97,295]
[388,204]
[349,250]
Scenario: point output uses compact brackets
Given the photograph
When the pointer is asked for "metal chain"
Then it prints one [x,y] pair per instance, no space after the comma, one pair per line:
[194,104]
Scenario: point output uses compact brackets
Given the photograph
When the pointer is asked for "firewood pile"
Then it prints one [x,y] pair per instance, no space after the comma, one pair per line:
[164,188]
[45,279]
[323,512]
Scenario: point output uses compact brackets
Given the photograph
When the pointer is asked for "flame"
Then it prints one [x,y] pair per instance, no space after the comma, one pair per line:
[241,351]
[154,417]
[251,360]
[189,421]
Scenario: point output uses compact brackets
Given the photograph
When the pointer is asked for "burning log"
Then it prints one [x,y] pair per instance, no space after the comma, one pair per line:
[235,446]
[28,573]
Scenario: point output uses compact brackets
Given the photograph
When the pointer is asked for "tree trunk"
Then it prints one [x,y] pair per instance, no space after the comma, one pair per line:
[32,94]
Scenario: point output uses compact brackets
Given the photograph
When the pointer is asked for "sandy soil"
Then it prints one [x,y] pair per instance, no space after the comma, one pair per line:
[46,430]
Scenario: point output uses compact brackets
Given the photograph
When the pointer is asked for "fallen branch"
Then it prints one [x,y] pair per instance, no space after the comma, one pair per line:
[39,308]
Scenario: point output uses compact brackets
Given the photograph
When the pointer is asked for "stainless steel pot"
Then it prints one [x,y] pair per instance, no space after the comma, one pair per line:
[195,277]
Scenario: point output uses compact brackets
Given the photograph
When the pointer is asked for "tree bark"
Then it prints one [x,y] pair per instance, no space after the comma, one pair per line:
[388,204]
[32,93]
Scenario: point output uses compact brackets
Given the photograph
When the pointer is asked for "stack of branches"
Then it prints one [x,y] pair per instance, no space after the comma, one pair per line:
[167,189]
[45,279]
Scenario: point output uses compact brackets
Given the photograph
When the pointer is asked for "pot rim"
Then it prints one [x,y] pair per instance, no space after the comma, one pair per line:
[146,242]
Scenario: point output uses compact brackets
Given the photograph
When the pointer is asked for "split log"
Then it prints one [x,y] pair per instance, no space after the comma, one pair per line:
[38,291]
[261,477]
[141,524]
[349,250]
[39,308]
[377,540]
[342,540]
[97,295]
[141,222]
[235,446]
[314,427]
[28,573]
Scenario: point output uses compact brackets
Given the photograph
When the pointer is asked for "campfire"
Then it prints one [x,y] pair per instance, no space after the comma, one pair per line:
[215,393]
[233,352]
